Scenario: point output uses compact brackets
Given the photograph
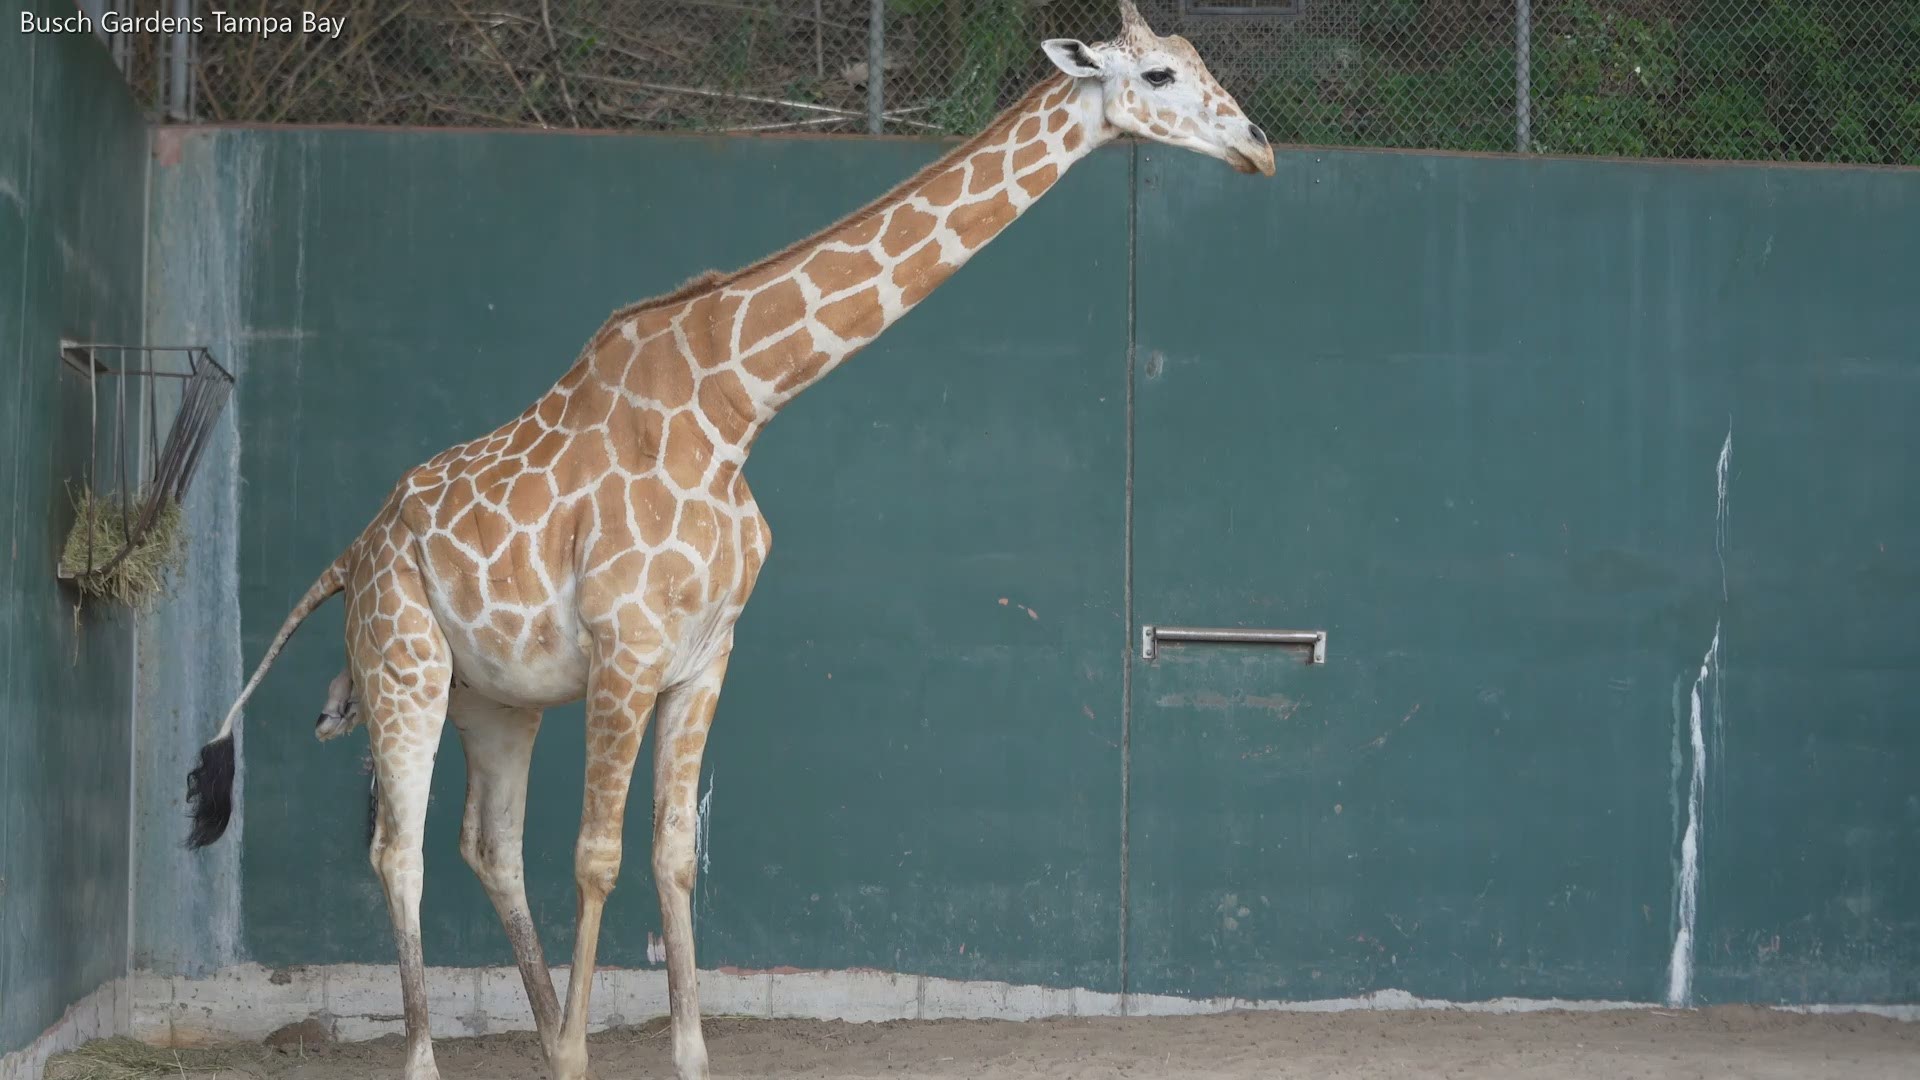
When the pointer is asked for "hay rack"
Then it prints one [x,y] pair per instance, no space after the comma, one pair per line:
[144,496]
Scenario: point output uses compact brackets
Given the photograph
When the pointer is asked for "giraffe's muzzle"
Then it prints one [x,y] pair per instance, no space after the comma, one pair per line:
[1254,155]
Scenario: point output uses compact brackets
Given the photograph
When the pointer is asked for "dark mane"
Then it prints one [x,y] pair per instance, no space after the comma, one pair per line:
[713,279]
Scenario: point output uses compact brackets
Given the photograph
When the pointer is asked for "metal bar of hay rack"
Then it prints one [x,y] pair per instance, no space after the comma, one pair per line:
[123,542]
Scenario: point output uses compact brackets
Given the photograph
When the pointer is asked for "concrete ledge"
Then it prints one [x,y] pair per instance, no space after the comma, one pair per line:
[358,1002]
[1891,1012]
[100,1015]
[247,1002]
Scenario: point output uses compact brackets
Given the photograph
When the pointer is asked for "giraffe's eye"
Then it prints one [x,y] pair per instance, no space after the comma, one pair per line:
[1158,77]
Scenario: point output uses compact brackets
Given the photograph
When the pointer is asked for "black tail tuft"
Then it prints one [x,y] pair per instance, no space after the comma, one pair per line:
[210,792]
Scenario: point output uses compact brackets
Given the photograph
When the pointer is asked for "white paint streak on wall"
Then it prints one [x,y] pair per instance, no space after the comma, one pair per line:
[11,193]
[701,849]
[1685,936]
[1720,530]
[706,819]
[76,261]
[1680,966]
[1678,766]
[1720,507]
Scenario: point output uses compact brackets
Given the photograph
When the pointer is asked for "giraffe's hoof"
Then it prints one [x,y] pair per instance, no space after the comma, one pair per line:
[691,1065]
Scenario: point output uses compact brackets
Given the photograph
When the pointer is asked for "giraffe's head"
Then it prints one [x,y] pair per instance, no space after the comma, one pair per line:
[1158,88]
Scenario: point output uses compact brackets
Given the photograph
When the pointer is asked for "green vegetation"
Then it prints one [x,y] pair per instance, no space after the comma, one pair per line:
[1802,80]
[1768,80]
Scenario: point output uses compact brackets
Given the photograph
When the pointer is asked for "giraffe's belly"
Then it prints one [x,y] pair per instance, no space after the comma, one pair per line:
[519,635]
[542,666]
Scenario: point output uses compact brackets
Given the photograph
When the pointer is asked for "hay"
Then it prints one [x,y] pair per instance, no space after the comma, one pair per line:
[127,1059]
[98,534]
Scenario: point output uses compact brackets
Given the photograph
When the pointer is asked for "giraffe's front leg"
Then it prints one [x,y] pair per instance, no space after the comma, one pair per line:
[686,712]
[619,699]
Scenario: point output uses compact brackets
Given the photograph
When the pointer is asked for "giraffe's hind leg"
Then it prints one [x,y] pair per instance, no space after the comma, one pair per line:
[499,745]
[401,667]
[680,740]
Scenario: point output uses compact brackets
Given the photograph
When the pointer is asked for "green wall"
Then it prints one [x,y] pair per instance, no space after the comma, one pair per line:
[1469,415]
[1465,413]
[72,200]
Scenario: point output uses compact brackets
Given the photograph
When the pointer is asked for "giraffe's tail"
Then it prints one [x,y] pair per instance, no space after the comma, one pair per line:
[210,784]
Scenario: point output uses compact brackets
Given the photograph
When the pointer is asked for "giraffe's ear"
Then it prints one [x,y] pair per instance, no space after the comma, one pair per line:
[1074,57]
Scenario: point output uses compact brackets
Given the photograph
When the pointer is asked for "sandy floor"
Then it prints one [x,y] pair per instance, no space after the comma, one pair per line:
[1737,1042]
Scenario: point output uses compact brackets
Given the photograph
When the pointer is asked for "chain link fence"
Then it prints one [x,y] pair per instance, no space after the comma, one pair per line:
[1779,80]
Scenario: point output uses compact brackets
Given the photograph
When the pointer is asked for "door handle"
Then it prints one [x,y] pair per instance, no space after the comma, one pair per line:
[1151,636]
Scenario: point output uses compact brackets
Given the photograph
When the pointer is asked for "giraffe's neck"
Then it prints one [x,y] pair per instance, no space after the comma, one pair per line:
[784,323]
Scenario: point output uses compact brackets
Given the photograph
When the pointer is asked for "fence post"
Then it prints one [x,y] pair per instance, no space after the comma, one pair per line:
[1523,77]
[177,73]
[876,60]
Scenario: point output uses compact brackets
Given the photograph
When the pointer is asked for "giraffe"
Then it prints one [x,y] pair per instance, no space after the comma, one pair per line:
[602,544]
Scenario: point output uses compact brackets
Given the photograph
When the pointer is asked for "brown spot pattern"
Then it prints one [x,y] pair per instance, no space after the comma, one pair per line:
[665,376]
[591,404]
[989,170]
[688,450]
[942,190]
[980,221]
[771,310]
[802,373]
[637,445]
[832,271]
[1039,180]
[854,318]
[726,405]
[652,509]
[918,274]
[909,227]
[863,231]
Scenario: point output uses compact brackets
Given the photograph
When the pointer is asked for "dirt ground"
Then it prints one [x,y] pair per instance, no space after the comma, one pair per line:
[1732,1042]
